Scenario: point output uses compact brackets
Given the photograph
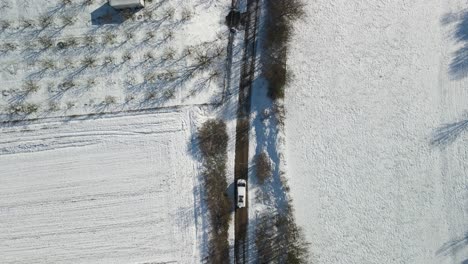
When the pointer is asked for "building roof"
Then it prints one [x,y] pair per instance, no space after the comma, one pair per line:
[126,3]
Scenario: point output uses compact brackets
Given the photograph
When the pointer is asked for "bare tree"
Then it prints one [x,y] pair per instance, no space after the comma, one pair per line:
[48,64]
[45,21]
[186,14]
[150,77]
[109,38]
[45,41]
[88,2]
[4,24]
[9,46]
[88,62]
[67,20]
[108,60]
[126,56]
[150,35]
[30,86]
[148,56]
[263,166]
[168,54]
[90,39]
[169,13]
[109,99]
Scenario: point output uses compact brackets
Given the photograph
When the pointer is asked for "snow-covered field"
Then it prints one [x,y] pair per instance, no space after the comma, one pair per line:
[120,189]
[372,177]
[82,57]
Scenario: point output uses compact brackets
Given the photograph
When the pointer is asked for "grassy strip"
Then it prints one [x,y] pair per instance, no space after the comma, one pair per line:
[213,139]
[279,18]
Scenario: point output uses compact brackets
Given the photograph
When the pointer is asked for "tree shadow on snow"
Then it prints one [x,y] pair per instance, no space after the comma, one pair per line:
[448,133]
[454,247]
[458,68]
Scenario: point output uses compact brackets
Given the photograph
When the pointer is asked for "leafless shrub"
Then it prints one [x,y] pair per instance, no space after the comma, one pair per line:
[27,23]
[151,95]
[45,21]
[169,13]
[30,86]
[68,63]
[66,2]
[280,113]
[263,166]
[88,62]
[150,77]
[126,56]
[9,46]
[69,105]
[109,38]
[287,9]
[129,35]
[108,60]
[189,50]
[129,98]
[45,42]
[150,35]
[67,20]
[168,75]
[213,138]
[90,82]
[4,24]
[48,64]
[71,42]
[88,2]
[90,39]
[186,14]
[202,60]
[169,94]
[148,56]
[168,35]
[168,54]
[67,85]
[26,108]
[276,74]
[148,13]
[108,100]
[53,106]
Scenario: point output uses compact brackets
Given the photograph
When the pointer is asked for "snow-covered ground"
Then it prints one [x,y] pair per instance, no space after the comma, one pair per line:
[169,53]
[372,177]
[119,189]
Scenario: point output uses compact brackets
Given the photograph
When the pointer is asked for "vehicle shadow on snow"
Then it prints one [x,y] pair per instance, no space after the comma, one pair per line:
[458,67]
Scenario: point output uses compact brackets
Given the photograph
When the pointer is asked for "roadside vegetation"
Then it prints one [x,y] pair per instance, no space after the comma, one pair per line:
[263,168]
[213,138]
[279,240]
[278,28]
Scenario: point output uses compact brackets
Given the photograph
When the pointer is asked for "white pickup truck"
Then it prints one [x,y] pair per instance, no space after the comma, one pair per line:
[241,193]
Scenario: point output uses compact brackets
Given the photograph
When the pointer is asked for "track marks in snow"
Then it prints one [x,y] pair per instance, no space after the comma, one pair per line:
[49,136]
[111,190]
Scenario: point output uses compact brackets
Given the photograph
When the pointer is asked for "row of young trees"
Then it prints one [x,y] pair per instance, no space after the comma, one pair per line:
[278,239]
[278,29]
[213,138]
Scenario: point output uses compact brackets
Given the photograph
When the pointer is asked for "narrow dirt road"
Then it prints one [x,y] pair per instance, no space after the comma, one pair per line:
[243,126]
